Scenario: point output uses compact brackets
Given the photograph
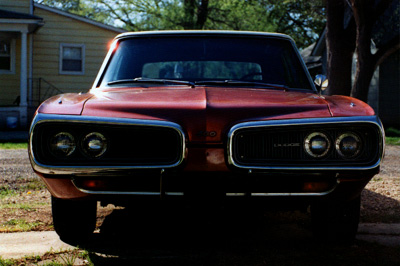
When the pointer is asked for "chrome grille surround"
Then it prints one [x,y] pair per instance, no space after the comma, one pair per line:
[100,169]
[372,121]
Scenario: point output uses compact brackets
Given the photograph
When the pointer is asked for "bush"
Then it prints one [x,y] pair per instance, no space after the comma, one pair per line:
[392,132]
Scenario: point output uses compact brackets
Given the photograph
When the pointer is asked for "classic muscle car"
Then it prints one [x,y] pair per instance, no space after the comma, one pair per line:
[220,116]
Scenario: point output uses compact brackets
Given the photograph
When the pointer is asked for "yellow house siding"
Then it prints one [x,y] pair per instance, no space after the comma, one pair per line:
[10,83]
[22,6]
[58,30]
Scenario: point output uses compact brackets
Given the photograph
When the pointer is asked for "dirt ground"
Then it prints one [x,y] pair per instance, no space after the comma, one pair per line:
[25,202]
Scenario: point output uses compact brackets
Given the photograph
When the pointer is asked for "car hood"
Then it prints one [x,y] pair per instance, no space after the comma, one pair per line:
[206,113]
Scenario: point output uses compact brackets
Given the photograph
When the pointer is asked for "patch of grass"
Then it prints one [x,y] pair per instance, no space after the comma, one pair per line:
[18,225]
[21,206]
[6,262]
[33,184]
[393,141]
[26,207]
[69,259]
[30,207]
[392,132]
[377,179]
[392,136]
[6,191]
[13,145]
[61,258]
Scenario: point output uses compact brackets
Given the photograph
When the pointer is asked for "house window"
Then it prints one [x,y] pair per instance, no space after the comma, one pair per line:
[72,59]
[7,56]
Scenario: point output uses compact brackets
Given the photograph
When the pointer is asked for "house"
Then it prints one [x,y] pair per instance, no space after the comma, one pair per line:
[384,90]
[45,51]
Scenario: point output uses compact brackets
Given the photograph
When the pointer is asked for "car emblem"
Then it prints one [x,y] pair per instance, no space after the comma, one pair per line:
[279,145]
[206,134]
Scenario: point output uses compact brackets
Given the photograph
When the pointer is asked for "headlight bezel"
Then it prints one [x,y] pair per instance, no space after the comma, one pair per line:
[308,144]
[54,147]
[357,139]
[93,153]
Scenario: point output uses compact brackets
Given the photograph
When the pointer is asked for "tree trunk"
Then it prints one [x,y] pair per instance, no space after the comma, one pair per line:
[341,46]
[202,14]
[366,14]
[365,59]
[365,72]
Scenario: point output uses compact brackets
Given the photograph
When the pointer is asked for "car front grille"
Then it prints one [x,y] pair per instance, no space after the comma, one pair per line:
[128,144]
[277,145]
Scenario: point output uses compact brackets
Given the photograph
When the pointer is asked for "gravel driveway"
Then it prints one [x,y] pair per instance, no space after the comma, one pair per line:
[288,242]
[380,199]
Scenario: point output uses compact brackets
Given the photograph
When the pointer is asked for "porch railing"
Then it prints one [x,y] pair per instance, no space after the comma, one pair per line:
[42,90]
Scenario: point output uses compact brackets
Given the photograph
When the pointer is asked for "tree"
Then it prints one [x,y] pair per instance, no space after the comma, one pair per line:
[366,14]
[355,32]
[78,7]
[302,19]
[341,38]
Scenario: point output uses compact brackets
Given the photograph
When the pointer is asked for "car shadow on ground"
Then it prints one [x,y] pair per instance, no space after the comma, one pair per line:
[187,236]
[379,208]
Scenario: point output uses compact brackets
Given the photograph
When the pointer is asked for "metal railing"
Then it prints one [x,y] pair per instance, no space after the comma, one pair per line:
[42,90]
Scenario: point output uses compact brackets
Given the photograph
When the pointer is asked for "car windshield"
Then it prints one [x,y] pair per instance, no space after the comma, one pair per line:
[204,60]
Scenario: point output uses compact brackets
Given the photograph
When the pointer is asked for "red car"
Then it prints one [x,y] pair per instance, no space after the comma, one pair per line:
[219,116]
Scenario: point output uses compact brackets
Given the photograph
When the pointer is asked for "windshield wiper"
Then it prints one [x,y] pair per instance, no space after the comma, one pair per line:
[151,80]
[241,83]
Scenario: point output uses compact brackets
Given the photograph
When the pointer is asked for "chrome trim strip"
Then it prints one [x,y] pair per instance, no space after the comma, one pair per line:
[303,122]
[104,169]
[235,194]
[291,194]
[133,193]
[174,193]
[285,194]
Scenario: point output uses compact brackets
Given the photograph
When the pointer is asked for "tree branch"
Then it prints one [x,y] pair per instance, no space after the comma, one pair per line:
[386,50]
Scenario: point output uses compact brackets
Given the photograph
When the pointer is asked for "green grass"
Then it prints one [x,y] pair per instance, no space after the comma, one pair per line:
[23,206]
[18,225]
[6,191]
[33,185]
[61,258]
[392,136]
[13,146]
[392,132]
[6,262]
[393,141]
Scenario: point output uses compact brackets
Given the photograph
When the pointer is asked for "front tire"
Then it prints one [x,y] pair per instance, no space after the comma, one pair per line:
[336,222]
[73,220]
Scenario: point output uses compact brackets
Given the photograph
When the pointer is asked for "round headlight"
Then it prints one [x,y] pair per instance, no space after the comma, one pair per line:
[62,144]
[348,145]
[94,144]
[317,144]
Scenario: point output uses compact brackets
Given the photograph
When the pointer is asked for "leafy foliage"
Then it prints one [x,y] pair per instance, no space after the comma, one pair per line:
[303,20]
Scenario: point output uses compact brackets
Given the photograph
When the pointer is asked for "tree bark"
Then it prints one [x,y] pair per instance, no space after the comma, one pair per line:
[365,15]
[202,14]
[340,46]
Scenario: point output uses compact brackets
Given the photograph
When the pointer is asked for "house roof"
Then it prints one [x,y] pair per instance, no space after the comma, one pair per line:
[5,14]
[15,21]
[79,18]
